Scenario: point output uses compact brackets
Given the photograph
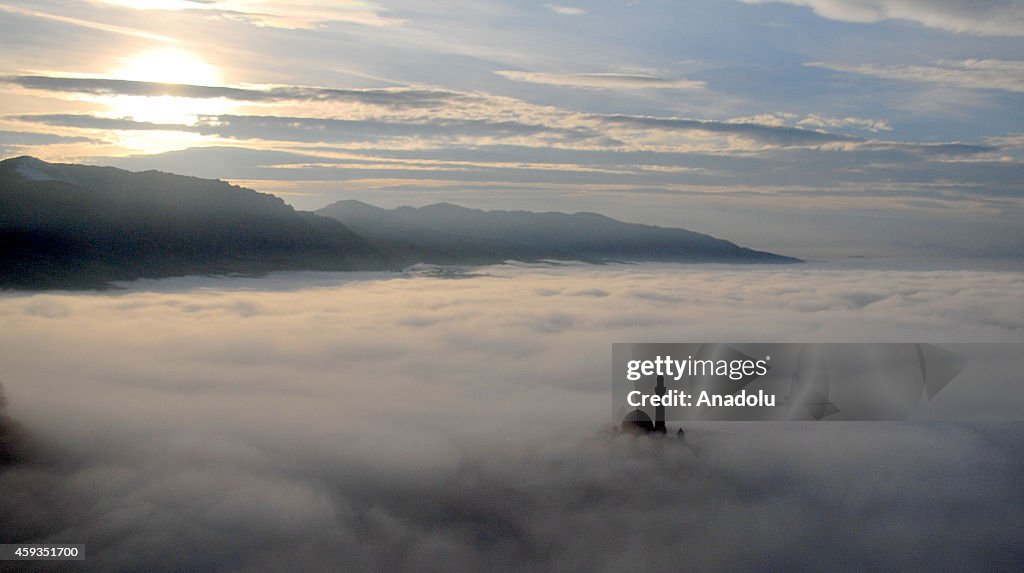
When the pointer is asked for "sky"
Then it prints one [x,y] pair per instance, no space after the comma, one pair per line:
[815,128]
[380,421]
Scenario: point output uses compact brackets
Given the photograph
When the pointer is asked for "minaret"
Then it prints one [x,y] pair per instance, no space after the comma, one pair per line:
[659,411]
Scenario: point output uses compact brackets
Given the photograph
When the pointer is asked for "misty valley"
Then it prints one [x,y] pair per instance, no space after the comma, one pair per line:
[389,421]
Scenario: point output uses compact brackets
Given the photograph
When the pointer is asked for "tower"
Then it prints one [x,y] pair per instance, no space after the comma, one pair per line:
[659,411]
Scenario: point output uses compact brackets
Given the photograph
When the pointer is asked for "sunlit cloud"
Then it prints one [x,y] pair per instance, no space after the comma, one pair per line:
[36,138]
[771,134]
[102,85]
[169,65]
[821,122]
[433,116]
[815,121]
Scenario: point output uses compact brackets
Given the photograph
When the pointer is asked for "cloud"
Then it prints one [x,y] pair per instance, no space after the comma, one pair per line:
[948,150]
[468,114]
[985,18]
[121,30]
[379,422]
[565,10]
[36,138]
[815,122]
[100,123]
[1006,75]
[323,130]
[602,80]
[821,122]
[410,141]
[771,134]
[390,97]
[328,130]
[308,14]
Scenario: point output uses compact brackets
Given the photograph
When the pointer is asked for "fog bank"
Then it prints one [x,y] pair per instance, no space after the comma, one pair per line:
[316,422]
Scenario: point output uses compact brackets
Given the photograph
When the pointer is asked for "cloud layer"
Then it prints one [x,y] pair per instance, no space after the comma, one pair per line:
[315,421]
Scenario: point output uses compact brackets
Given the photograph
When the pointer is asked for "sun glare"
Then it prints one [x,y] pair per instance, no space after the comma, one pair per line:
[170,66]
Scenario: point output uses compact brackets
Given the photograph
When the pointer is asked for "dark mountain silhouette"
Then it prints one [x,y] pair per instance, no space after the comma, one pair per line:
[77,226]
[449,234]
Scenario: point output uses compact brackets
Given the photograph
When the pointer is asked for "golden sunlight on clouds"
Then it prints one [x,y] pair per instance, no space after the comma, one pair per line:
[158,141]
[168,65]
[164,65]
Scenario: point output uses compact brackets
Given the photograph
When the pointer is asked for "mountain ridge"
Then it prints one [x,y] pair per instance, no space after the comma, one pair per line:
[79,226]
[85,226]
[448,233]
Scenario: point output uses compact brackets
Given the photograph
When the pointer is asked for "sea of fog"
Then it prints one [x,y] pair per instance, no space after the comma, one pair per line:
[440,422]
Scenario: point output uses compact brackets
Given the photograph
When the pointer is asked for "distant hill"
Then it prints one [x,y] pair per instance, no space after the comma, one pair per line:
[449,234]
[76,226]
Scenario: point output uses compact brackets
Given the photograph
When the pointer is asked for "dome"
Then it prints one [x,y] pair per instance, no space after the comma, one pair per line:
[637,422]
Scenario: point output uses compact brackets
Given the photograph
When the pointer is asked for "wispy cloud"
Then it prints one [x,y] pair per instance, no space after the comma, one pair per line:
[565,10]
[100,123]
[866,124]
[395,97]
[608,80]
[327,130]
[988,17]
[122,30]
[616,130]
[1007,75]
[771,134]
[291,15]
[28,138]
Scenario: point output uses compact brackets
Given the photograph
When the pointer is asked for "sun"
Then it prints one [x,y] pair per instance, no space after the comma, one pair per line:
[174,114]
[168,65]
